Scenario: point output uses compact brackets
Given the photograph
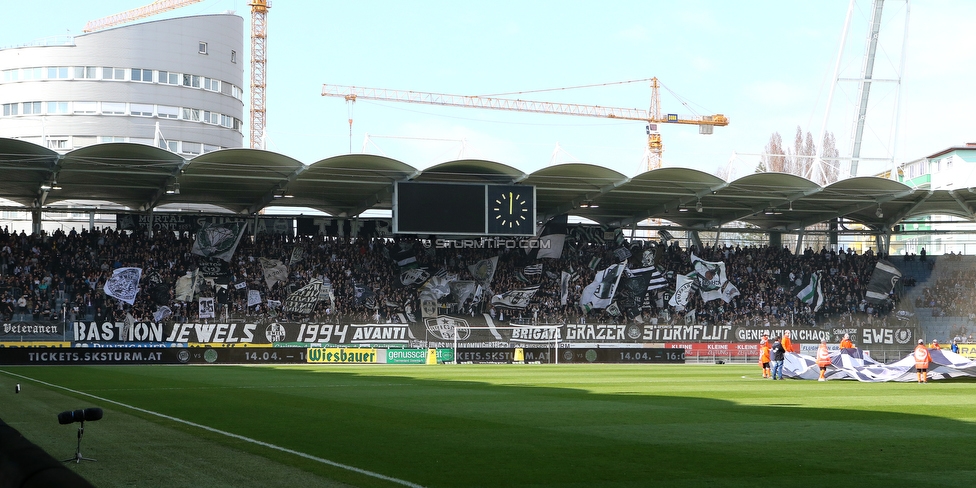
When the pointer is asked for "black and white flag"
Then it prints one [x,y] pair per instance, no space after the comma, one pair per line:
[533,270]
[517,298]
[484,271]
[218,240]
[162,313]
[124,284]
[812,294]
[553,238]
[207,308]
[297,255]
[564,288]
[274,271]
[883,281]
[599,293]
[303,300]
[253,298]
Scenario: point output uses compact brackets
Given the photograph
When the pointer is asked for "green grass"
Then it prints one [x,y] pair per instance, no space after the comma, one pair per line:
[497,425]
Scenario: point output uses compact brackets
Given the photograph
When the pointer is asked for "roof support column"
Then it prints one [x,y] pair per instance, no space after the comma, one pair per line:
[36,220]
[152,217]
[883,241]
[832,227]
[696,240]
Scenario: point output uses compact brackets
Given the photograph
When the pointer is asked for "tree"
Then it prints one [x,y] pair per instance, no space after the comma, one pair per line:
[773,158]
[831,165]
[801,159]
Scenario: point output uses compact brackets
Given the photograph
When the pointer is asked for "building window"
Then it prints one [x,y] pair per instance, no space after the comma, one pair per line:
[85,107]
[191,147]
[211,84]
[32,108]
[11,74]
[235,91]
[210,148]
[191,114]
[113,108]
[9,109]
[167,112]
[203,48]
[57,143]
[111,139]
[57,73]
[191,80]
[57,107]
[233,56]
[113,73]
[32,73]
[172,146]
[141,109]
[142,75]
[85,72]
[169,78]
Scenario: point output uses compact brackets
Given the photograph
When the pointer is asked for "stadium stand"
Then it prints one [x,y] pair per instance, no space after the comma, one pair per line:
[61,276]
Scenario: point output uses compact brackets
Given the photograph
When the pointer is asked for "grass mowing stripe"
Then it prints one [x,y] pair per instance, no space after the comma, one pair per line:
[224,433]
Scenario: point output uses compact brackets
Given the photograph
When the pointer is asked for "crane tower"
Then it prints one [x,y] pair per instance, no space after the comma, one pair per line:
[259,64]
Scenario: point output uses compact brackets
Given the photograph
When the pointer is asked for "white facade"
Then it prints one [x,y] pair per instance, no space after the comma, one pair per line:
[184,75]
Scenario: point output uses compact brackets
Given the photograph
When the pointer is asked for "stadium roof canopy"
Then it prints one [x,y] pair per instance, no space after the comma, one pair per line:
[245,181]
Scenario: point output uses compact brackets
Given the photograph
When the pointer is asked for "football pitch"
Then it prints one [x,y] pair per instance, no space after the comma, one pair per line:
[494,425]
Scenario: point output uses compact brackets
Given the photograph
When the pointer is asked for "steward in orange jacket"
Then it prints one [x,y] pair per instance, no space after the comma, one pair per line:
[846,343]
[922,358]
[764,357]
[823,359]
[787,343]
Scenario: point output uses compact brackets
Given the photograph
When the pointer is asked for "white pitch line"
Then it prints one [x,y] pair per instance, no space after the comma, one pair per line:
[228,434]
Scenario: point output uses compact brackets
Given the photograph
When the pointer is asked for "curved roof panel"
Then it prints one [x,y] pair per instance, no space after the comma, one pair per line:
[471,171]
[240,180]
[348,185]
[121,172]
[25,167]
[247,180]
[564,187]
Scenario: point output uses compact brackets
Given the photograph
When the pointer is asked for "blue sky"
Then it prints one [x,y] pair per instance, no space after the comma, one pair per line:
[766,65]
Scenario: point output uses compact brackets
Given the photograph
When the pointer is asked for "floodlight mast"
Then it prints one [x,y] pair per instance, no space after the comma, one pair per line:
[651,117]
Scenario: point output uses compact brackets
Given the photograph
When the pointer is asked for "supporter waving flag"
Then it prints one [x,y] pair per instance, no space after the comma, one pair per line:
[219,240]
[124,284]
[812,294]
[883,281]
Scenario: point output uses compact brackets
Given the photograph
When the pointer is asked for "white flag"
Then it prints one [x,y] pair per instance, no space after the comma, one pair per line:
[253,298]
[124,284]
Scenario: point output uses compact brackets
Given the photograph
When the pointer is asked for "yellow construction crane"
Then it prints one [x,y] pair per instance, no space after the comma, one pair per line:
[259,38]
[259,64]
[157,7]
[651,117]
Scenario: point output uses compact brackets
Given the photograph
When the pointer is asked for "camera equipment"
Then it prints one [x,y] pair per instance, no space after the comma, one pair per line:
[72,416]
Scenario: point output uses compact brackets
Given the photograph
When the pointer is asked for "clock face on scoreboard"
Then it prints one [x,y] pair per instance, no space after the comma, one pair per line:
[511,210]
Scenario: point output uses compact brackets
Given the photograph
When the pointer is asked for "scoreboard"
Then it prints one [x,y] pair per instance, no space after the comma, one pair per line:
[464,209]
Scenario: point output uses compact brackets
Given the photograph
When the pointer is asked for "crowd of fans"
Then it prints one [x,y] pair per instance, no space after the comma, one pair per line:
[61,276]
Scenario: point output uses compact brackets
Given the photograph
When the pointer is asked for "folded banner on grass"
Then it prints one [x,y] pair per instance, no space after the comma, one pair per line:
[124,284]
[853,365]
